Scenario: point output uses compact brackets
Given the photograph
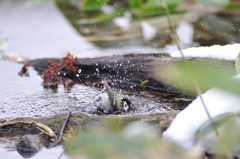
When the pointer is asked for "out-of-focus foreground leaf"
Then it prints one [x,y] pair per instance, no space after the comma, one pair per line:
[228,126]
[135,4]
[234,5]
[137,140]
[237,64]
[186,76]
[213,124]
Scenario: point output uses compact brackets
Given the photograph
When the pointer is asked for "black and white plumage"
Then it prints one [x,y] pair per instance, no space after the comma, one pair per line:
[108,103]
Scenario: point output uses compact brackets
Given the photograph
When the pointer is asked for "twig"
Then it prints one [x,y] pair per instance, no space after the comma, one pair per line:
[43,128]
[61,132]
[174,34]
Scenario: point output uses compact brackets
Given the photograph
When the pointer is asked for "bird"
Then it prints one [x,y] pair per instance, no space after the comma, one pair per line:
[108,103]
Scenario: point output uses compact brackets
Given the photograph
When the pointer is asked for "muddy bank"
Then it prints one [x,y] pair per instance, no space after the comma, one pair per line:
[78,122]
[29,138]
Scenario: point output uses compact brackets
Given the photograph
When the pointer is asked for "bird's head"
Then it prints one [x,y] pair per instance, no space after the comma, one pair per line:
[125,104]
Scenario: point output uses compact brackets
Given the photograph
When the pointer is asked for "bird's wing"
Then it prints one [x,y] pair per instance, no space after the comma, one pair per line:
[89,106]
[111,94]
[112,97]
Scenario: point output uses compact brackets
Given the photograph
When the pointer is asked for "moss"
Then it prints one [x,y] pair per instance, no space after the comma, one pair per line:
[114,123]
[79,117]
[175,100]
[54,123]
[117,124]
[134,118]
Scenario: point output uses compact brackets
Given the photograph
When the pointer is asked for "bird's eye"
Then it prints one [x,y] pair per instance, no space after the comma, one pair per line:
[125,106]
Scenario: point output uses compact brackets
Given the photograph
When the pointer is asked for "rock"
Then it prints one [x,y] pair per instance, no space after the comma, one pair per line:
[29,145]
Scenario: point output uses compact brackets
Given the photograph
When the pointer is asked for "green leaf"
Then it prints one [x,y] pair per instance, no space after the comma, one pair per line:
[215,123]
[173,2]
[186,76]
[217,3]
[103,17]
[233,6]
[102,145]
[143,83]
[135,4]
[93,5]
[154,7]
[153,4]
[237,64]
[109,16]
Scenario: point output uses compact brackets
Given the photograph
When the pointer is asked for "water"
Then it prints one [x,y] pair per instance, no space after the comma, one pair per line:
[26,97]
[7,150]
[38,30]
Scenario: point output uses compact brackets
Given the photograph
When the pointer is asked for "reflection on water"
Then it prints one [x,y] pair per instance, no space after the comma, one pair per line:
[7,151]
[37,30]
[25,96]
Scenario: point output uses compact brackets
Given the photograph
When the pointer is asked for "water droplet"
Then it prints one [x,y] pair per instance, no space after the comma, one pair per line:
[97,70]
[121,63]
[79,71]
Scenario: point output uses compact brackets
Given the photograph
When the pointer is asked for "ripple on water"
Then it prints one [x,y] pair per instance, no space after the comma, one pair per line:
[7,147]
[25,96]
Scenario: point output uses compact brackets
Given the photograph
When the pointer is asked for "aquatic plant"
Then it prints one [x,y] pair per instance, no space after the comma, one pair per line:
[51,77]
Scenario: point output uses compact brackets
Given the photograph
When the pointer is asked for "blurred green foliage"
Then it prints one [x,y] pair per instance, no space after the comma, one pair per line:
[217,122]
[138,8]
[137,140]
[186,76]
[109,16]
[237,64]
[93,5]
[228,128]
[154,7]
